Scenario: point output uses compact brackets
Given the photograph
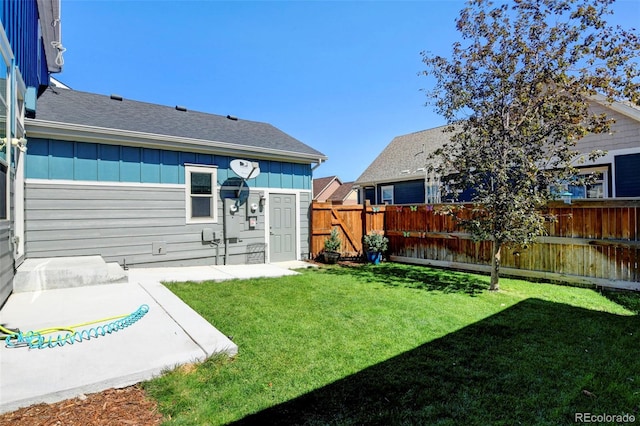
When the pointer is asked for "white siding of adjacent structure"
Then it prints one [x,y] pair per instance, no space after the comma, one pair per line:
[624,134]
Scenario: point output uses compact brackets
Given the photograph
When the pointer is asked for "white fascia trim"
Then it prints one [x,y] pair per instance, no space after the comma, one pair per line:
[77,132]
[406,178]
[622,108]
[609,157]
[102,183]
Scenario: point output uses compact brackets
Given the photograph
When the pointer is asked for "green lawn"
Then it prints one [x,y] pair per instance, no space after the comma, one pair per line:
[397,344]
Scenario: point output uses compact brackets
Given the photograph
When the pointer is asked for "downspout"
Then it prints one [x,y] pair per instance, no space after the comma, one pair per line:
[317,165]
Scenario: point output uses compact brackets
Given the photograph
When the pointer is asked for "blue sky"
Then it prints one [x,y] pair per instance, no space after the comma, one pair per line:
[341,77]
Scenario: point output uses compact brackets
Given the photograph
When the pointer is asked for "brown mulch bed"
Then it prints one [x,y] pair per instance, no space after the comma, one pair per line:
[127,406]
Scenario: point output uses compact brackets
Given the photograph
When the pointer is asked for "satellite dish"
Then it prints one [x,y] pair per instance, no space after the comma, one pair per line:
[245,169]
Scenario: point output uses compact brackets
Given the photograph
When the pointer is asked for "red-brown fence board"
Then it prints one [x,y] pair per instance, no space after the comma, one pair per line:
[591,239]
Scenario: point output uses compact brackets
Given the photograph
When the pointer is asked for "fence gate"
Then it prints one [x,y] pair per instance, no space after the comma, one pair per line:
[352,221]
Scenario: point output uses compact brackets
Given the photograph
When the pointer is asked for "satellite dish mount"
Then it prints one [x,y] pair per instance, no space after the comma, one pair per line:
[245,169]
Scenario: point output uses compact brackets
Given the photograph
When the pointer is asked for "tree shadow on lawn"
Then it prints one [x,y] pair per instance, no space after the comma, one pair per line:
[416,277]
[537,362]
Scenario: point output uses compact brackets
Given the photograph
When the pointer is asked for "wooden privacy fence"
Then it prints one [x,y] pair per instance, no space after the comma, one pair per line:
[352,221]
[587,242]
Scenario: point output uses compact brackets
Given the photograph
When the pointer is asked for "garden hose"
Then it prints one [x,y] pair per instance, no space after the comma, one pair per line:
[37,340]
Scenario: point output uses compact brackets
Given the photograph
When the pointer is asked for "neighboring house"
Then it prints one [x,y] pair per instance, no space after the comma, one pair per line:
[143,184]
[332,189]
[324,187]
[399,174]
[30,49]
[345,194]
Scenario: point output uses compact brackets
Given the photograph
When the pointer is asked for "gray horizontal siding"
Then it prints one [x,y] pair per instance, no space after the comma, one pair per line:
[6,261]
[305,226]
[121,223]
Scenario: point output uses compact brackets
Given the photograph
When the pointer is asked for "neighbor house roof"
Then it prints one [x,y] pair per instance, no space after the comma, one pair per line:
[342,192]
[405,158]
[321,184]
[69,113]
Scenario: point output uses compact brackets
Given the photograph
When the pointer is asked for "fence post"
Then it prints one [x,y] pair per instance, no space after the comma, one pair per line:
[365,204]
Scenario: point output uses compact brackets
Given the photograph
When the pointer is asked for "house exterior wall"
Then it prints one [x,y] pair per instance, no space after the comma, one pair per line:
[68,160]
[20,22]
[127,204]
[23,70]
[404,192]
[625,133]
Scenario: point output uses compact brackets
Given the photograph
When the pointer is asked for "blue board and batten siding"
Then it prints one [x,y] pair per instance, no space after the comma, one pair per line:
[55,159]
[120,202]
[20,21]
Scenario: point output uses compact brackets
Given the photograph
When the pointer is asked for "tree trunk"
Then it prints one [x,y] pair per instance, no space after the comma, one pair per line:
[495,266]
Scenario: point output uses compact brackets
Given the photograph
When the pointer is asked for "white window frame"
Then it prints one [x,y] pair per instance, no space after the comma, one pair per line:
[604,181]
[432,194]
[384,200]
[563,188]
[213,171]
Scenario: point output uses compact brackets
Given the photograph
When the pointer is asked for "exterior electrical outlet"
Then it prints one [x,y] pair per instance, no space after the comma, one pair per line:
[159,247]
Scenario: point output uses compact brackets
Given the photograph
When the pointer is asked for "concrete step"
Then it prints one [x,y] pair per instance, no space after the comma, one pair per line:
[66,272]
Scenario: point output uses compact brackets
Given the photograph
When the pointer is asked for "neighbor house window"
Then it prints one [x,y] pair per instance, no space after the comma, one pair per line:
[597,188]
[386,194]
[200,193]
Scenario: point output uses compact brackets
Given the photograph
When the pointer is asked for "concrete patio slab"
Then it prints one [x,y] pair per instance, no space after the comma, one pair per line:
[168,335]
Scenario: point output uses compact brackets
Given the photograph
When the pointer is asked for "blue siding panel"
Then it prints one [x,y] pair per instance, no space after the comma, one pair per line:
[60,160]
[263,178]
[298,176]
[150,172]
[54,159]
[409,192]
[169,167]
[130,166]
[287,175]
[275,177]
[37,162]
[20,21]
[108,163]
[204,159]
[84,166]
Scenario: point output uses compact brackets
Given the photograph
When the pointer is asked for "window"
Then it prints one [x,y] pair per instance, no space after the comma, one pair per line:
[200,193]
[386,194]
[432,190]
[597,188]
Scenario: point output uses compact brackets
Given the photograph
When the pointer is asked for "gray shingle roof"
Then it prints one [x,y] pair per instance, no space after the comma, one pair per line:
[405,157]
[89,109]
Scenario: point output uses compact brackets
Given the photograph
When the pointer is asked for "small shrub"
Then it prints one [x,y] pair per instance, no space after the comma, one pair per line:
[333,243]
[376,242]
